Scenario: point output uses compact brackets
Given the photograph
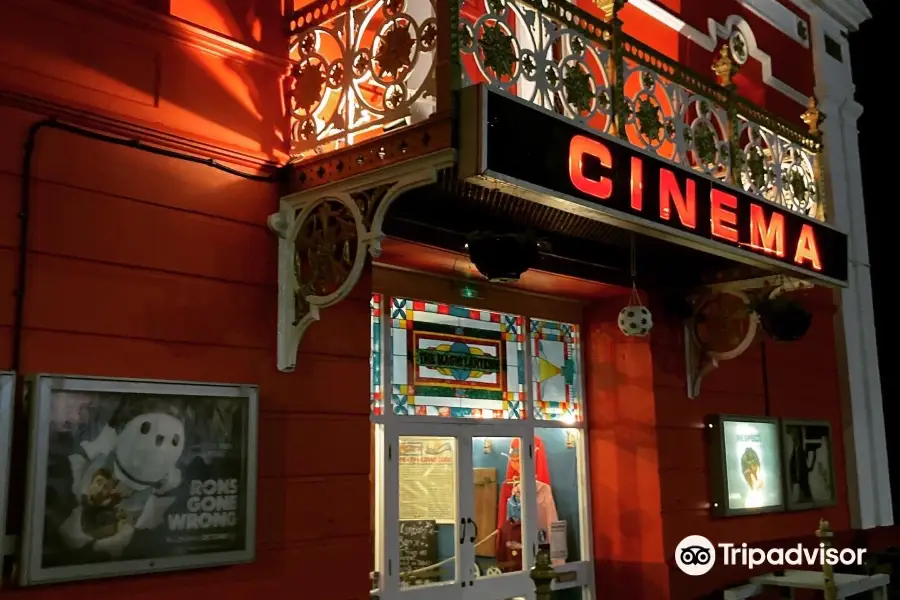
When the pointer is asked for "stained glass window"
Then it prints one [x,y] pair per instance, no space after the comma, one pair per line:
[554,372]
[375,355]
[452,361]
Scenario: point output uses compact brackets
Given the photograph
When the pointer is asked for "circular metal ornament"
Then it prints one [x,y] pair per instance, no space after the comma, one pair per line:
[738,47]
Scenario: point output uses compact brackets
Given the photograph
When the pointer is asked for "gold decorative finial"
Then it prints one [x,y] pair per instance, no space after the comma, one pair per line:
[812,116]
[607,6]
[723,67]
[824,530]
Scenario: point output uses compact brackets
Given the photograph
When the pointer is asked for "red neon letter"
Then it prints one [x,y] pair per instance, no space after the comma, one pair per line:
[722,216]
[768,236]
[637,183]
[685,204]
[808,249]
[579,146]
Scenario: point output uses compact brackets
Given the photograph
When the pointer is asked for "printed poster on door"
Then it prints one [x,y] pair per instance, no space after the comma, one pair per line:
[427,479]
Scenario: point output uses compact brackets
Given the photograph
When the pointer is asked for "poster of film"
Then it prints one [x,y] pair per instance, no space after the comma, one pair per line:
[130,477]
[809,464]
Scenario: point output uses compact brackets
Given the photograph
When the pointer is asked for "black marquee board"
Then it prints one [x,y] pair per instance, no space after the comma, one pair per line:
[516,146]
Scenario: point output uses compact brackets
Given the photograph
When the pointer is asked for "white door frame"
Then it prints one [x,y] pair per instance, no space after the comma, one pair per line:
[390,584]
[389,428]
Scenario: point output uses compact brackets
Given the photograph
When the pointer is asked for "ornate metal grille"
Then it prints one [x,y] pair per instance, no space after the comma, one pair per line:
[360,69]
[370,66]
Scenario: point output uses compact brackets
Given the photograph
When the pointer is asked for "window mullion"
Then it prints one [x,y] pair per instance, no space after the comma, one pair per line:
[530,409]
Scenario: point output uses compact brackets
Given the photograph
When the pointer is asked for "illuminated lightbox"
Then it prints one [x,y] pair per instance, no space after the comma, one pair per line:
[745,465]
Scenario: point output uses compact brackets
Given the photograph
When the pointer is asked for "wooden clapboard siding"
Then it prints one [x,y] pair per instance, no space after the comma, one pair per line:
[146,266]
[802,383]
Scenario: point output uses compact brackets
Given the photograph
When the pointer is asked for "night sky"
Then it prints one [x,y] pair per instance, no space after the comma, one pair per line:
[873,60]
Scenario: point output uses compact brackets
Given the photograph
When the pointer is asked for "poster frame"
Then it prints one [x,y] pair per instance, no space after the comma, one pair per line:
[40,388]
[796,506]
[718,472]
[7,404]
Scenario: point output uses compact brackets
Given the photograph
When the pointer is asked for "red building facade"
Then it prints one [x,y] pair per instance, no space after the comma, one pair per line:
[154,264]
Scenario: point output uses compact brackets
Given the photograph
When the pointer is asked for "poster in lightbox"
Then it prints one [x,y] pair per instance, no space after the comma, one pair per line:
[130,477]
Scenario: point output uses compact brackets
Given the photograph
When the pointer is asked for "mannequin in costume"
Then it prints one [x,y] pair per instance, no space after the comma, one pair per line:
[509,510]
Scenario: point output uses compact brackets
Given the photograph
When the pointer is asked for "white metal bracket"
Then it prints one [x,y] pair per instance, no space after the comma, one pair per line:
[324,235]
[701,360]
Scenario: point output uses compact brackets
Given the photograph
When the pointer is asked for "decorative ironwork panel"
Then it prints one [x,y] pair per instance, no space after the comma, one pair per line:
[375,399]
[777,169]
[544,55]
[674,122]
[555,373]
[565,60]
[453,361]
[366,68]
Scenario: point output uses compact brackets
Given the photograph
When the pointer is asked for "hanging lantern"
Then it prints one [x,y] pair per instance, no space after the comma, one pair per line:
[635,319]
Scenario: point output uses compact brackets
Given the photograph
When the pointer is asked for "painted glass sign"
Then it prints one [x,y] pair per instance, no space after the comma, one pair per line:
[453,361]
[554,371]
[556,158]
[375,402]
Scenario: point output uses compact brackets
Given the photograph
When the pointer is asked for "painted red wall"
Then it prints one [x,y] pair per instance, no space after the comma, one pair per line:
[624,459]
[649,457]
[146,266]
[800,379]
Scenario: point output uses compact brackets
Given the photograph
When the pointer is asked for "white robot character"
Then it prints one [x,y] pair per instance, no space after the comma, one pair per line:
[122,479]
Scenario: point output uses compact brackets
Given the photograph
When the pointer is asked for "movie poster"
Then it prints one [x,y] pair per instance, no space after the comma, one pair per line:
[143,477]
[752,464]
[810,471]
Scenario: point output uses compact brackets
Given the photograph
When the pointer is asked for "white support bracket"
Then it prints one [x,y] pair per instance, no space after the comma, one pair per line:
[701,358]
[324,235]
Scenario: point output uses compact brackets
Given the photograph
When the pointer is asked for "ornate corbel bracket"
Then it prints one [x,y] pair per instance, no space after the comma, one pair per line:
[722,327]
[724,323]
[324,235]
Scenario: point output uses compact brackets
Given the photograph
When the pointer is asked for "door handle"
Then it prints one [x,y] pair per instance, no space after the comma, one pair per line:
[475,526]
[462,531]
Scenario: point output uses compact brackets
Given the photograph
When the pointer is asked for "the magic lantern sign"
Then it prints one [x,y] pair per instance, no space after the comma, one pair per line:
[550,157]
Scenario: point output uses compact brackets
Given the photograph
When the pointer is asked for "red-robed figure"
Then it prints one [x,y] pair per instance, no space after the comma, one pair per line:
[509,511]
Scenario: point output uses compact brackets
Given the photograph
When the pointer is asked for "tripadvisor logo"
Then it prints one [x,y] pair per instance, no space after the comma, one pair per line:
[696,555]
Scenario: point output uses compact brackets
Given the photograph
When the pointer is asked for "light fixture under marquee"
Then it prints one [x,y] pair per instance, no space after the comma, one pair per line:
[635,319]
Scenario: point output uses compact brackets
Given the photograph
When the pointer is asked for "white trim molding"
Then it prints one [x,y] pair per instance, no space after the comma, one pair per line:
[849,13]
[865,437]
[361,204]
[720,31]
[780,17]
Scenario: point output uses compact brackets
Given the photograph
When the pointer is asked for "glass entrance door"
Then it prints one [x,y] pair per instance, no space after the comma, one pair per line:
[463,512]
[427,512]
[500,549]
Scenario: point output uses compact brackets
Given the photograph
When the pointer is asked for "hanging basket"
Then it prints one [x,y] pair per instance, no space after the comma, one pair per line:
[783,318]
[635,320]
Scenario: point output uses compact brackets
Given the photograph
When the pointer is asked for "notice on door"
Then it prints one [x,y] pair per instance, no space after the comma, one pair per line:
[427,479]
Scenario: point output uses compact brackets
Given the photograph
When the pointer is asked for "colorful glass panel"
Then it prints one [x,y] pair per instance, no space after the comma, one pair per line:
[555,350]
[453,361]
[375,401]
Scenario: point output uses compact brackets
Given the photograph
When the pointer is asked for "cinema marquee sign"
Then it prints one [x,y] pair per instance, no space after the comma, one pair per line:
[549,159]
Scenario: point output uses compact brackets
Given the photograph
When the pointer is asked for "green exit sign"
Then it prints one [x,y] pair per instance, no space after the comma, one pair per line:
[469,291]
